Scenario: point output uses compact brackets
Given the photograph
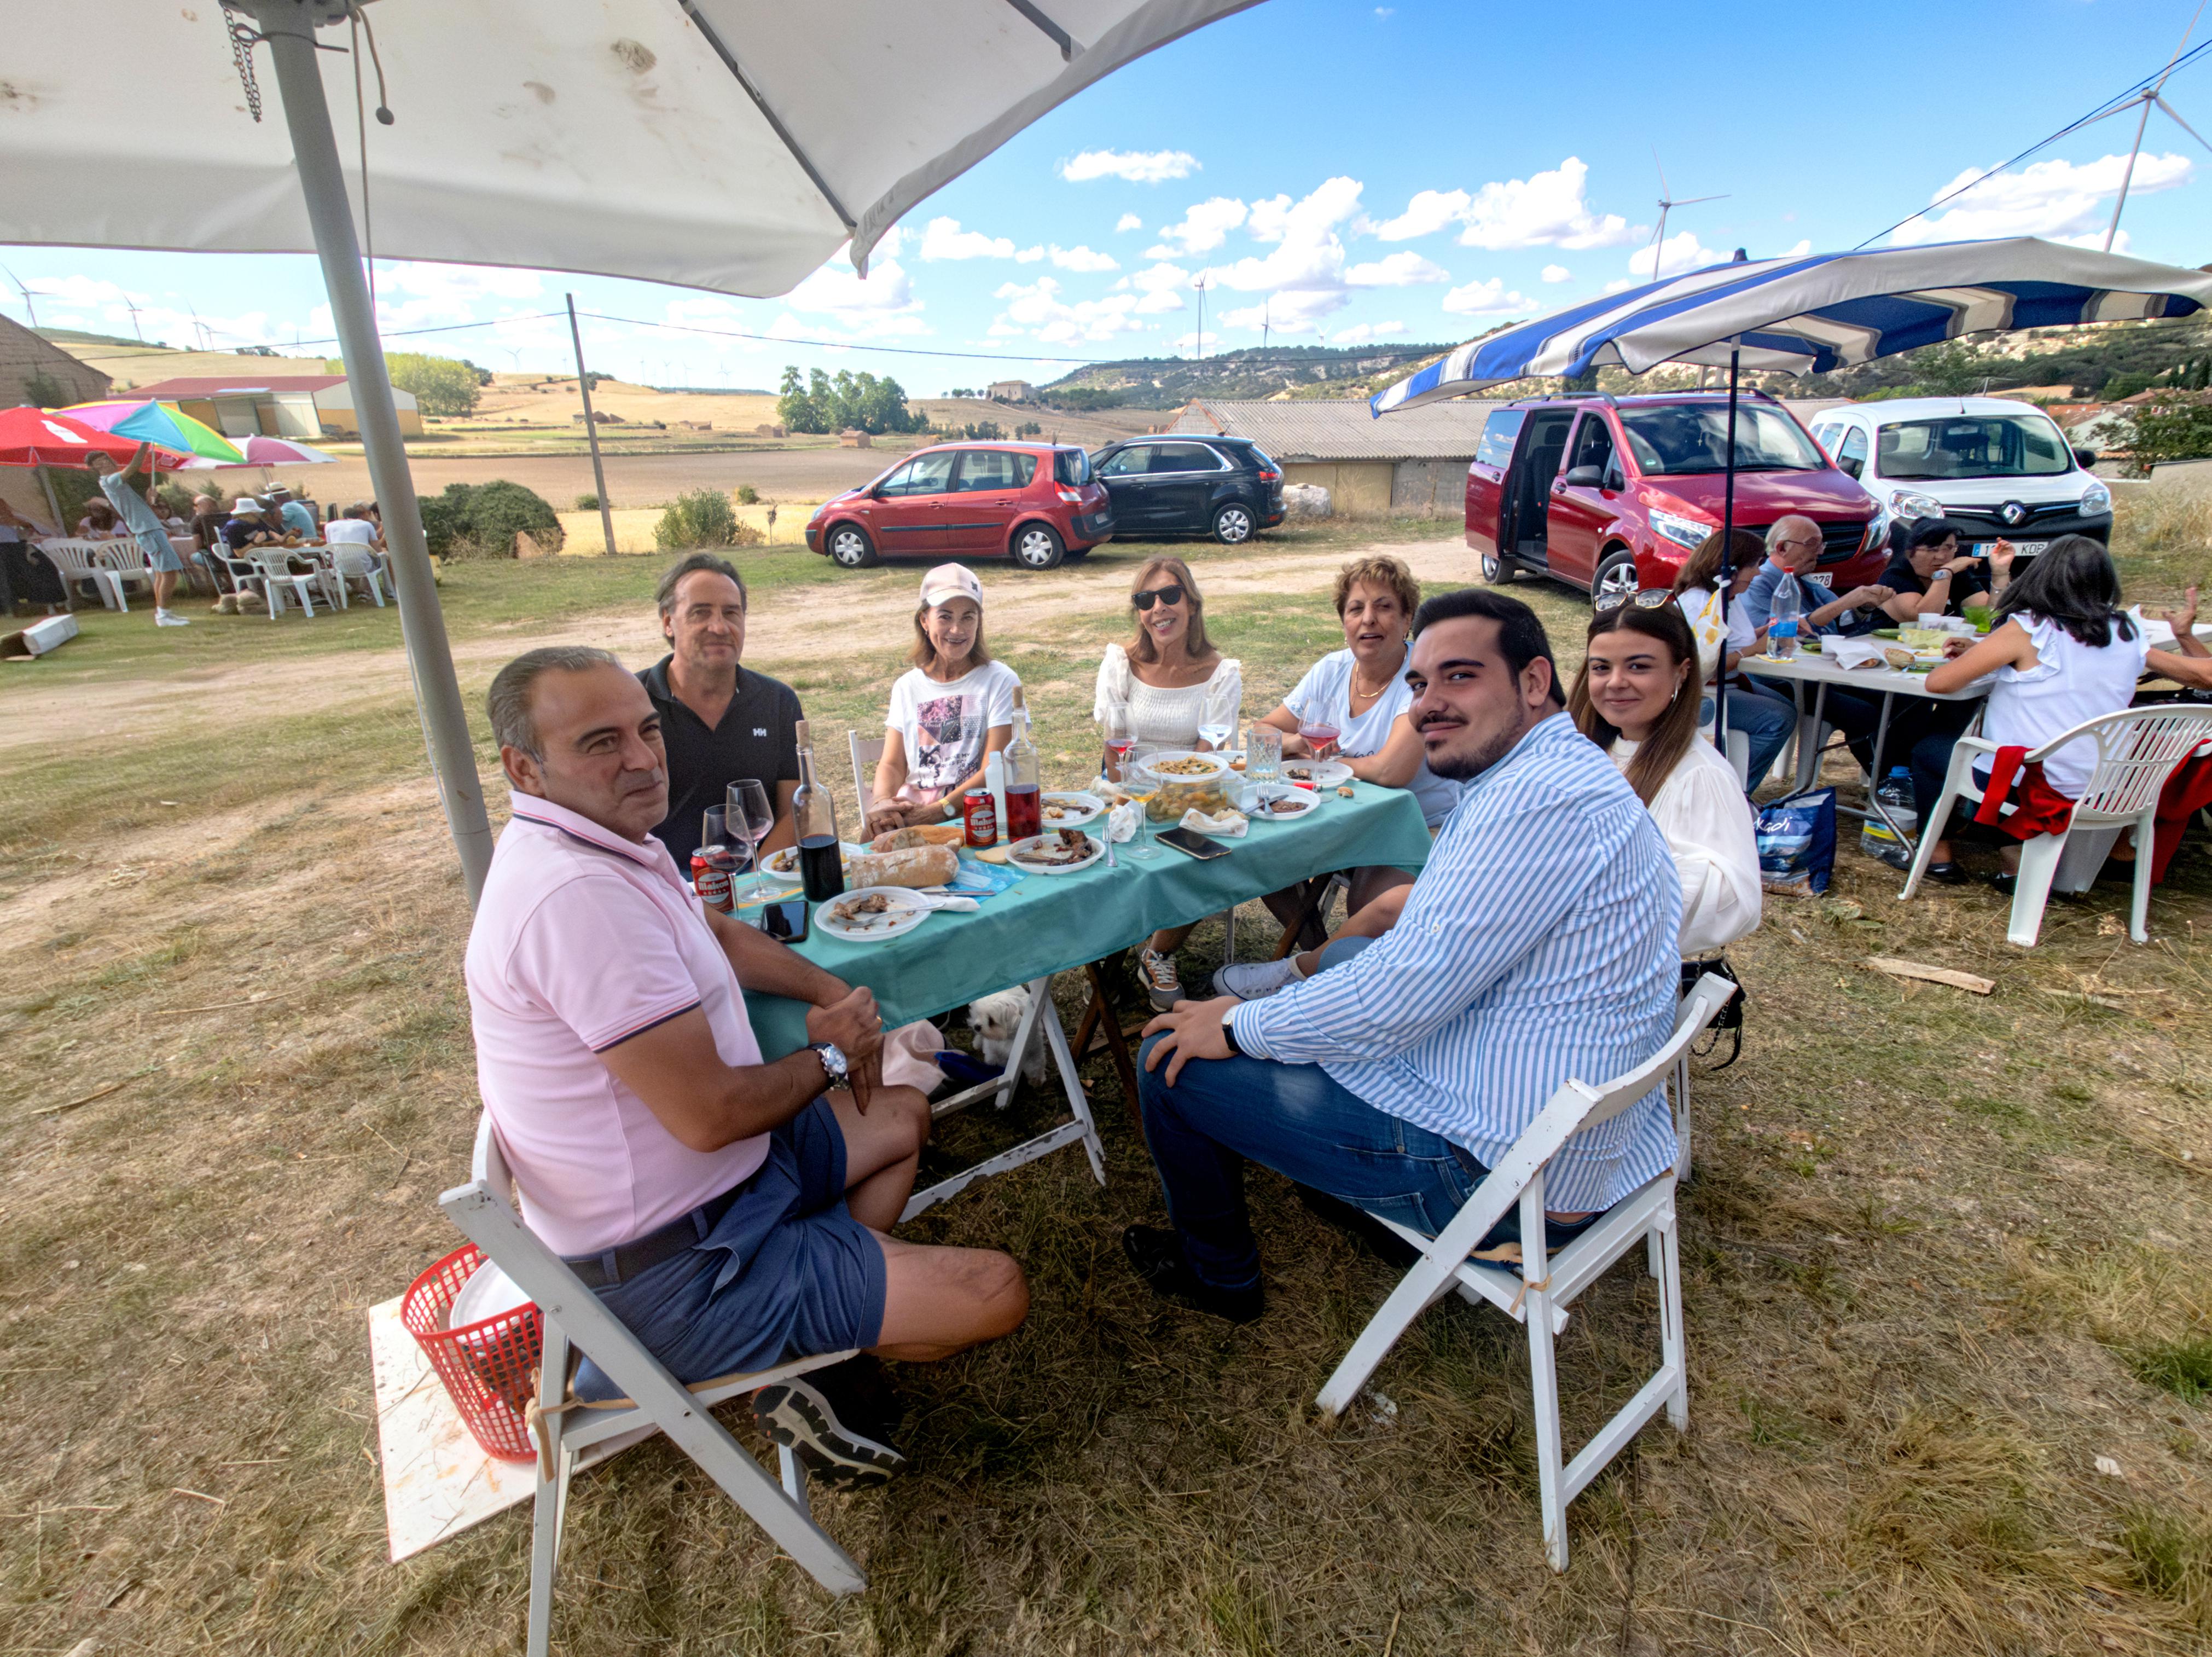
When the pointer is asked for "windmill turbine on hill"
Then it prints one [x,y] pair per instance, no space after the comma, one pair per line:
[2153,93]
[1666,206]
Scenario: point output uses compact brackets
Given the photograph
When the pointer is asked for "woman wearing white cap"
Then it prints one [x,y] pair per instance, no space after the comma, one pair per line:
[952,711]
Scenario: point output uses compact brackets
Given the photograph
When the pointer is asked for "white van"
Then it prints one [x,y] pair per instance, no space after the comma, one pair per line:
[1993,466]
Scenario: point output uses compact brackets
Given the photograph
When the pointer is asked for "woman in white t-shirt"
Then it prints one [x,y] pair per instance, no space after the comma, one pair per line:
[2061,652]
[1179,692]
[949,712]
[1636,697]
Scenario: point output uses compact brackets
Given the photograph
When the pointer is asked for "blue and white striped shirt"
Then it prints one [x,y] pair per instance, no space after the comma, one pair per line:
[1537,945]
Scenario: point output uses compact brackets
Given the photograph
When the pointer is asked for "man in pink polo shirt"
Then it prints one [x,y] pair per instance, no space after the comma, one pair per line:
[733,1213]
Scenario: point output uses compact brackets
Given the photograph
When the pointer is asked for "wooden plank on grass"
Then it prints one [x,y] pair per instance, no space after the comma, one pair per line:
[1898,969]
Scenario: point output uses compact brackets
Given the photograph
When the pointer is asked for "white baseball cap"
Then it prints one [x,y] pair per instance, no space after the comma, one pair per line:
[952,580]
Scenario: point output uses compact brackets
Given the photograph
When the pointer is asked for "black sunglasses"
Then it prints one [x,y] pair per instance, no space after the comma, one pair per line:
[1651,598]
[1172,593]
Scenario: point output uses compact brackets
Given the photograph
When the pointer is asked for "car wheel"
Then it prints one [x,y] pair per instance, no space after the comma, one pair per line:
[850,547]
[1038,546]
[1496,572]
[1233,524]
[1616,574]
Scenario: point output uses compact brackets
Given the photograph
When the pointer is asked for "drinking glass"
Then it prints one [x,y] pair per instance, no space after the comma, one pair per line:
[1319,729]
[752,817]
[1140,785]
[1263,761]
[1120,738]
[1215,731]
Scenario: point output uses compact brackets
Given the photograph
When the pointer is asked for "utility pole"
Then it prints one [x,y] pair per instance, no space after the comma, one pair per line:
[592,429]
[1201,285]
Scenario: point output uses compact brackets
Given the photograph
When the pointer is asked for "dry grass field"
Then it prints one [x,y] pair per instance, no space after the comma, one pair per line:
[1949,1313]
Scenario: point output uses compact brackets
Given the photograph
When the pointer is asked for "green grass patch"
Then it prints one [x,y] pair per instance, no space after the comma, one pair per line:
[2182,1366]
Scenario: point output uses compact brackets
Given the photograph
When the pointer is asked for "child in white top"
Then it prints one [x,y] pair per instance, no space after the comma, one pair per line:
[948,713]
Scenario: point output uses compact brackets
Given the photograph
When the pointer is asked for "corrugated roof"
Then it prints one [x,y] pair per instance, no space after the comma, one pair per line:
[1341,429]
[241,385]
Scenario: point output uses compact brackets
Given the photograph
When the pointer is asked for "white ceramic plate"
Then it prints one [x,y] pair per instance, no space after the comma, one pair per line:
[907,911]
[1015,860]
[1316,773]
[784,864]
[1075,809]
[1305,803]
[1212,764]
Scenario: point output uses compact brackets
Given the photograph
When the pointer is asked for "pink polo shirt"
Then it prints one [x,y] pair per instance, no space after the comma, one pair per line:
[582,939]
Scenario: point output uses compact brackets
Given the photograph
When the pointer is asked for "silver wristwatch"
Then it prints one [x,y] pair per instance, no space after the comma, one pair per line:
[832,1062]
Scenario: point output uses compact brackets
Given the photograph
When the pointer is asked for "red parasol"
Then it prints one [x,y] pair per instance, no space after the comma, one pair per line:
[33,437]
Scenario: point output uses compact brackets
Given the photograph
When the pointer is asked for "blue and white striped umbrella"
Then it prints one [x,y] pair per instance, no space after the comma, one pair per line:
[1816,314]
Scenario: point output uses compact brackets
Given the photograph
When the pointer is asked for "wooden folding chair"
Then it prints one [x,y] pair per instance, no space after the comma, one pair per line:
[575,1318]
[1540,1294]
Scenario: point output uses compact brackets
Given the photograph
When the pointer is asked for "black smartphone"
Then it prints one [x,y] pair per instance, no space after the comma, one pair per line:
[1191,843]
[786,920]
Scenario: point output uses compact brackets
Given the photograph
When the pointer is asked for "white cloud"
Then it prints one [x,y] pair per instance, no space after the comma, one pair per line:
[944,239]
[1398,270]
[1361,334]
[1288,312]
[1428,212]
[1546,210]
[1037,307]
[1679,254]
[1029,255]
[888,245]
[1128,221]
[1803,248]
[1557,273]
[1080,257]
[2056,198]
[80,290]
[883,305]
[1203,228]
[1162,286]
[1210,341]
[1489,298]
[1386,11]
[1307,255]
[1131,166]
[2095,240]
[1280,219]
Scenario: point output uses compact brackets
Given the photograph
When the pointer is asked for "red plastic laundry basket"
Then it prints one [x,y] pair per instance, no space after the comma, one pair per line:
[490,1368]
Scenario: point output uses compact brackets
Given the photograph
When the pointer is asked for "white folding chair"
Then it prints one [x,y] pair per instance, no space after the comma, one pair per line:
[2137,749]
[575,1318]
[73,558]
[279,580]
[866,752]
[115,562]
[352,561]
[1548,1283]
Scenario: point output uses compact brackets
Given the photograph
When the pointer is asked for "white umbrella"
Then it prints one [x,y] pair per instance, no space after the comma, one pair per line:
[731,145]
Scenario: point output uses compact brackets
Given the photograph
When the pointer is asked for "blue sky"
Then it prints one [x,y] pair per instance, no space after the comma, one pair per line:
[1342,173]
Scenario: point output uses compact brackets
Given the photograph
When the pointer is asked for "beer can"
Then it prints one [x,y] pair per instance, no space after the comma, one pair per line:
[712,884]
[979,818]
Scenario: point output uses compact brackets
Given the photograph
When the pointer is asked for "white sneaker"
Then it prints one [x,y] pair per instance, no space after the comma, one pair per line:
[1257,980]
[170,618]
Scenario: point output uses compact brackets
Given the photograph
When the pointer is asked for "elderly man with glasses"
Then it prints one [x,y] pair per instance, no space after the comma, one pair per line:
[1793,549]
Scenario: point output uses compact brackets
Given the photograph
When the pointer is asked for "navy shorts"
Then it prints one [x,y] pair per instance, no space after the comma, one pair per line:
[785,1273]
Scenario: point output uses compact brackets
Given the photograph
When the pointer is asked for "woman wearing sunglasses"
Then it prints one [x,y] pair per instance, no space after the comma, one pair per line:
[1636,697]
[1174,685]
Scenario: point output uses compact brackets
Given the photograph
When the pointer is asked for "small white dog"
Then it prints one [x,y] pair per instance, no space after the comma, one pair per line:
[995,1018]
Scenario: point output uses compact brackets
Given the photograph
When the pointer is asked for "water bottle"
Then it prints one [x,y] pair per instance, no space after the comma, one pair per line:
[1782,619]
[1877,837]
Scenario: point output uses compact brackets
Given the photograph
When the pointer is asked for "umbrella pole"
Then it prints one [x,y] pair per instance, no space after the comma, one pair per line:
[53,501]
[290,32]
[1728,572]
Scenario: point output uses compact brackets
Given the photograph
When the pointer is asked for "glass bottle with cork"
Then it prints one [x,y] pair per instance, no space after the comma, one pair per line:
[1024,795]
[814,818]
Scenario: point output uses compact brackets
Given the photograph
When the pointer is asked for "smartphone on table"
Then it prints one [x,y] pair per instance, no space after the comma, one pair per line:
[1191,843]
[785,921]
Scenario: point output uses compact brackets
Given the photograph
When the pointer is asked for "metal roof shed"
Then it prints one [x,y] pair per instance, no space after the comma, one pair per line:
[1368,466]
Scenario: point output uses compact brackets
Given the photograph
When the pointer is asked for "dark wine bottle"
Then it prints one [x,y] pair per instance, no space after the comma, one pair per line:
[814,816]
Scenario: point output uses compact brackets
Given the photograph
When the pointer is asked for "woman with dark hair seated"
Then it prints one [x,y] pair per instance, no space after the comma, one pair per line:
[1765,718]
[2061,652]
[1932,577]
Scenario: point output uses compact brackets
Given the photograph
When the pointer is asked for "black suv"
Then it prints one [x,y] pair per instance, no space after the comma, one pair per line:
[1187,484]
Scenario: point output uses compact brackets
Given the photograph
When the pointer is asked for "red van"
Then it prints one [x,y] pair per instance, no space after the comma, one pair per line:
[1034,502]
[1612,493]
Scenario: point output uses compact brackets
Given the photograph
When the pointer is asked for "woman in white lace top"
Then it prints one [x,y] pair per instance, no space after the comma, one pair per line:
[1173,681]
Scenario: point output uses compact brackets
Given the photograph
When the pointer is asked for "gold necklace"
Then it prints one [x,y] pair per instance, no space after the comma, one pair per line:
[1358,690]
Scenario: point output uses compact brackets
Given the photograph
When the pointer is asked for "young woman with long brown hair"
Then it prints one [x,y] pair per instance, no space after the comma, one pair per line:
[1636,697]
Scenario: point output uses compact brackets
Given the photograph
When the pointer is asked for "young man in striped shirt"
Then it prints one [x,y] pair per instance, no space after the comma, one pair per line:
[1538,944]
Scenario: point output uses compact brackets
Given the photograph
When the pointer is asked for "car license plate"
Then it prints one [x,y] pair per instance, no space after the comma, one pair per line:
[2023,548]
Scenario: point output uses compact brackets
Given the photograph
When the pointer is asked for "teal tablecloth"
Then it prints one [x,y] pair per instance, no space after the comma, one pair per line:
[1051,922]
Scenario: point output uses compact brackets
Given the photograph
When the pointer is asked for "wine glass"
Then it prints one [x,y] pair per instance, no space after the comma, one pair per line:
[1120,738]
[1140,785]
[752,817]
[1319,729]
[1215,731]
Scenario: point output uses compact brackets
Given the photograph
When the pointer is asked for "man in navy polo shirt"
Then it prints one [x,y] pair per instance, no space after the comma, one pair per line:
[720,721]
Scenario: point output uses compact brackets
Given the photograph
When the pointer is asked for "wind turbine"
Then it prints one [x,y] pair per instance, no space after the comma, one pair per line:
[26,292]
[2149,95]
[1666,205]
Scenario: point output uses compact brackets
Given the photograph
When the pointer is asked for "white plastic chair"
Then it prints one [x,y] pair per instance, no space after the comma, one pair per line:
[866,752]
[1540,1295]
[73,558]
[115,562]
[2137,749]
[574,1317]
[278,579]
[352,562]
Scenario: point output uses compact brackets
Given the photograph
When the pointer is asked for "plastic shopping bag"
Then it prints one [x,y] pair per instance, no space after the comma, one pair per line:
[1798,842]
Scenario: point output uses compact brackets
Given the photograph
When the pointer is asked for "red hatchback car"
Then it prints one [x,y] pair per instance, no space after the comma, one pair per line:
[1034,502]
[1612,494]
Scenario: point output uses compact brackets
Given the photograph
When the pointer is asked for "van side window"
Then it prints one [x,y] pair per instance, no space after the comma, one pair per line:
[1498,435]
[1852,456]
[1593,443]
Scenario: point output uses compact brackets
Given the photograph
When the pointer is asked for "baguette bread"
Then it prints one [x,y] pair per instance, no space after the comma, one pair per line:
[923,834]
[915,867]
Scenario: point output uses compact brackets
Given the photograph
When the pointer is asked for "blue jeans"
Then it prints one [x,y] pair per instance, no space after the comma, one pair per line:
[1293,1118]
[1767,720]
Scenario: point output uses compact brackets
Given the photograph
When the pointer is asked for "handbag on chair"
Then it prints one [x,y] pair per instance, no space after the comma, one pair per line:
[1730,1016]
